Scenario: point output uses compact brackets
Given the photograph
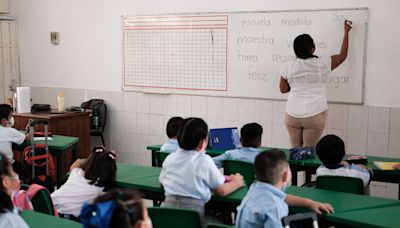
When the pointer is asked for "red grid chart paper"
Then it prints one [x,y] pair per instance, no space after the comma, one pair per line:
[177,52]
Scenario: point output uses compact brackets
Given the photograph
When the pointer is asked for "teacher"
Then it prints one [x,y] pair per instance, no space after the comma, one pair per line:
[305,78]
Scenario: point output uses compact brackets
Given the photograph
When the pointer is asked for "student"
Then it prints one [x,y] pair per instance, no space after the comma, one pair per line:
[9,135]
[124,208]
[171,145]
[87,179]
[250,137]
[189,175]
[266,202]
[331,150]
[9,186]
[305,78]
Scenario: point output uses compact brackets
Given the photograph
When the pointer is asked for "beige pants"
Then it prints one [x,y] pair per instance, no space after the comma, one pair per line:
[307,131]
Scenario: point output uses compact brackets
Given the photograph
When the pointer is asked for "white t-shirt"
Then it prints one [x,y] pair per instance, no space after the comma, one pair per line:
[70,197]
[9,135]
[12,220]
[190,173]
[346,171]
[307,79]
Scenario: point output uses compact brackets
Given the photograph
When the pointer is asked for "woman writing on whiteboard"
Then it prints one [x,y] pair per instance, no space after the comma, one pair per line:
[305,78]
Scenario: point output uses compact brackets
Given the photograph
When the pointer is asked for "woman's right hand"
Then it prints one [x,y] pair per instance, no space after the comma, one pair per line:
[347,25]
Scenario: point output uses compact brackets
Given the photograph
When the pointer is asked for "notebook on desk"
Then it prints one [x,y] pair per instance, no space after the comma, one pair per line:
[385,165]
[224,138]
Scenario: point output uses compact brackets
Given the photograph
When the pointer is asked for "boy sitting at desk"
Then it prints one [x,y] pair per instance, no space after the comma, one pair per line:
[330,150]
[266,202]
[171,145]
[9,135]
[250,137]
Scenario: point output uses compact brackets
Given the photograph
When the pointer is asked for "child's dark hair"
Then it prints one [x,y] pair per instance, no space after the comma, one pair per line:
[173,126]
[250,134]
[100,168]
[269,166]
[5,201]
[5,111]
[330,150]
[302,45]
[129,207]
[191,132]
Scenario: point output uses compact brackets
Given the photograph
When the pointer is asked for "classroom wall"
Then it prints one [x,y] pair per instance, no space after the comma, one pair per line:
[88,64]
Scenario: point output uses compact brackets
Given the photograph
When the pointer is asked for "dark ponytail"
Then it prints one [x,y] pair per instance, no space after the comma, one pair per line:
[303,45]
[191,132]
[5,201]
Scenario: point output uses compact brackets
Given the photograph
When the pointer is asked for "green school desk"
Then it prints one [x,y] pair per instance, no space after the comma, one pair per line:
[310,165]
[39,220]
[58,146]
[149,185]
[369,218]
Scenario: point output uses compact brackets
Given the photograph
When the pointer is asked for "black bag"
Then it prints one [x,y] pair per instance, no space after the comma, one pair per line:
[300,153]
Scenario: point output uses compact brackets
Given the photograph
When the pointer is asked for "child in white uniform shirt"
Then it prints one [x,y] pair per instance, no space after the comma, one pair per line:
[189,175]
[331,150]
[87,180]
[9,185]
[9,135]
[171,145]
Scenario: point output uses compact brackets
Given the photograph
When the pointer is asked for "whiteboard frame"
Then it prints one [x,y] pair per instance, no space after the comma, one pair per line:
[190,92]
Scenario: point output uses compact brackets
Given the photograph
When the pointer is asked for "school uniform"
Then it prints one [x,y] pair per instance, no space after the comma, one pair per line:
[11,219]
[170,146]
[246,154]
[346,171]
[187,177]
[9,135]
[69,198]
[263,206]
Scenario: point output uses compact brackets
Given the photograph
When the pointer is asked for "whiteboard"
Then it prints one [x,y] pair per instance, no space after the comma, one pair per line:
[238,54]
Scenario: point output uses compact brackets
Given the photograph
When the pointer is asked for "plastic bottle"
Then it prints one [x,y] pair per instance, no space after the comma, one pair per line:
[14,104]
[60,99]
[95,119]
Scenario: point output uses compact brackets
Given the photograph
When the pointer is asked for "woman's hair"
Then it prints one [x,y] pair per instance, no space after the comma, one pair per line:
[129,208]
[100,168]
[303,45]
[5,201]
[191,132]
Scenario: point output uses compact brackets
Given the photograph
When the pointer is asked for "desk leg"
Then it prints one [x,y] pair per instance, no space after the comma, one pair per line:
[58,174]
[398,193]
[153,158]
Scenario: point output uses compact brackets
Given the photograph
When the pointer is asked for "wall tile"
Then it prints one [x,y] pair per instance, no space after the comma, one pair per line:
[278,112]
[157,126]
[184,106]
[230,109]
[199,107]
[264,111]
[156,104]
[117,101]
[229,123]
[357,117]
[337,116]
[357,141]
[214,123]
[395,121]
[280,137]
[266,139]
[214,108]
[394,145]
[143,123]
[378,120]
[143,103]
[341,133]
[378,144]
[130,103]
[247,110]
[130,122]
[170,105]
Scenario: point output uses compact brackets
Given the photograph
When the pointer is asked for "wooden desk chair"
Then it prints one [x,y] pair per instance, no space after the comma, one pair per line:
[175,217]
[341,184]
[244,168]
[309,219]
[160,157]
[98,118]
